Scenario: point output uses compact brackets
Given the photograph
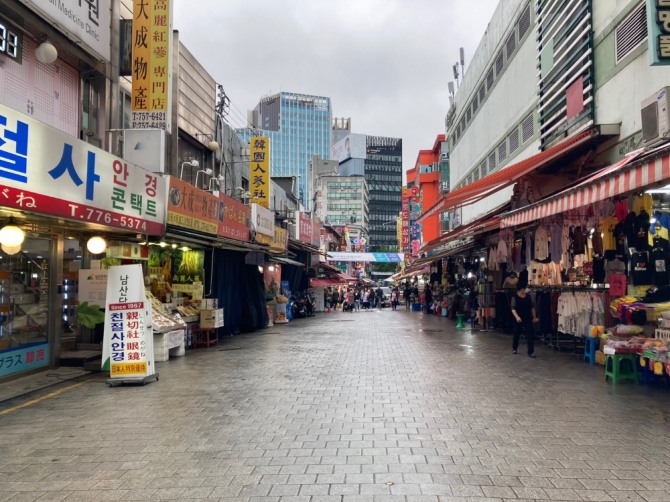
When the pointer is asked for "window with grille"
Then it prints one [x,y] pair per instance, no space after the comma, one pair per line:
[468,115]
[482,93]
[475,104]
[513,140]
[631,32]
[489,79]
[527,128]
[492,161]
[500,62]
[502,152]
[511,45]
[482,169]
[524,22]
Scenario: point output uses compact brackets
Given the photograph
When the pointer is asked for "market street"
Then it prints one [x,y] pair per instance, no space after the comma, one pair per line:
[370,406]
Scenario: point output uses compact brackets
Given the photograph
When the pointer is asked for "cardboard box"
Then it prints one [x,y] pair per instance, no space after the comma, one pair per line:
[209,304]
[24,299]
[211,318]
[17,289]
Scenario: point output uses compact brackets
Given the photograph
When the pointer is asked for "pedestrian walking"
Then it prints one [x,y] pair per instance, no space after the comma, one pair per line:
[335,299]
[407,294]
[378,297]
[523,312]
[394,298]
[357,299]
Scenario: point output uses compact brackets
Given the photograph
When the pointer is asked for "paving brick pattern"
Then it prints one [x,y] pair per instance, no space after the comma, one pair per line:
[373,406]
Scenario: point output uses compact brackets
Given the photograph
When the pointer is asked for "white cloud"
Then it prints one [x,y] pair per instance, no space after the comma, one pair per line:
[384,63]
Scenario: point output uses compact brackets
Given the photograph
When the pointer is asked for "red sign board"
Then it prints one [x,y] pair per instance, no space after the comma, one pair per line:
[305,228]
[406,196]
[235,223]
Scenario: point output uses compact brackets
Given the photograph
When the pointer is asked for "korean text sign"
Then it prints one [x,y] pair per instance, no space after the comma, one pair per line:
[192,208]
[151,64]
[46,171]
[127,350]
[235,222]
[406,194]
[658,27]
[259,170]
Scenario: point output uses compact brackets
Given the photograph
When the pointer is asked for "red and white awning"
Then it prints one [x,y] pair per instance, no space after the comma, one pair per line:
[618,179]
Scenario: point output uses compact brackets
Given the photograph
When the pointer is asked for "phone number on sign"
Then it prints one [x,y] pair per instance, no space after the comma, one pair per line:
[101,216]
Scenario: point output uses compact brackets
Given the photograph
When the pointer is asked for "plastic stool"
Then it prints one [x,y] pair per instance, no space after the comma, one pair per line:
[459,323]
[613,368]
[204,337]
[590,346]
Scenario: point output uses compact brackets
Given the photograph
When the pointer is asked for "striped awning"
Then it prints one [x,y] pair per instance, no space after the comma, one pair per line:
[480,189]
[626,176]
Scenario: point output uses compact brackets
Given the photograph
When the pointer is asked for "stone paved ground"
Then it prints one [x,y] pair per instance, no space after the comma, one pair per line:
[383,406]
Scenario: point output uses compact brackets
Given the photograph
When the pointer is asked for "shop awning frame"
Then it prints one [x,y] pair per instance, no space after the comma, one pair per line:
[283,260]
[630,174]
[487,222]
[210,241]
[480,189]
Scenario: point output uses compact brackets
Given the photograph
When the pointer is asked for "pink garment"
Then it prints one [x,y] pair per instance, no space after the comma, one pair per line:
[621,210]
[618,284]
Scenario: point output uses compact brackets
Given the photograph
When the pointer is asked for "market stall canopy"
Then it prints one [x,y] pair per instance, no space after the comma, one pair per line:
[283,260]
[480,189]
[629,174]
[485,223]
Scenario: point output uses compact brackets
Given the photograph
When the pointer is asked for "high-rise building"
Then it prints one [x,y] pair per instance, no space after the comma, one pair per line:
[341,128]
[299,126]
[379,160]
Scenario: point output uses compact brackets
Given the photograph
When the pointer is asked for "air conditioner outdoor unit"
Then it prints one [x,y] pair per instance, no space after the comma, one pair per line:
[656,117]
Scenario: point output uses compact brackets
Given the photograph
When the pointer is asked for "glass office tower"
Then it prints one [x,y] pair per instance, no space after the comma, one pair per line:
[299,126]
[383,172]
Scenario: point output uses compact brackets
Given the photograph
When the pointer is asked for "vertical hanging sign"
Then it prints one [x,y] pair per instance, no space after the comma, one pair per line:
[151,64]
[259,170]
[658,27]
[128,348]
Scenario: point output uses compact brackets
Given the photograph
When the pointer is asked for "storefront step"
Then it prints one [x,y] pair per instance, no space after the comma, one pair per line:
[80,358]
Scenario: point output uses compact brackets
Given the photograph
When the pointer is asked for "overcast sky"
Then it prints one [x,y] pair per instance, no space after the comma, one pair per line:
[384,63]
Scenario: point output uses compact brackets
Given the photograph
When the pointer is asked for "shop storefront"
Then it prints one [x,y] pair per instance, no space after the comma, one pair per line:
[216,230]
[596,258]
[57,193]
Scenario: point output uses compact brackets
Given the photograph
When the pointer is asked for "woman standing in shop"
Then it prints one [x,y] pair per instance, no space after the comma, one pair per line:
[523,312]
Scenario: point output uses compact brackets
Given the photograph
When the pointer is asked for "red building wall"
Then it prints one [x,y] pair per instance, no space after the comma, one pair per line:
[430,187]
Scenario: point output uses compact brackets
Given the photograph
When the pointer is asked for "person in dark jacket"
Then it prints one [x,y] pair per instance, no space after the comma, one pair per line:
[335,299]
[524,315]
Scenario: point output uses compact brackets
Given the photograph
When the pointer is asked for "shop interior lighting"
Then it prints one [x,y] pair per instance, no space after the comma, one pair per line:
[11,249]
[162,244]
[174,246]
[96,245]
[260,269]
[271,268]
[11,235]
[185,248]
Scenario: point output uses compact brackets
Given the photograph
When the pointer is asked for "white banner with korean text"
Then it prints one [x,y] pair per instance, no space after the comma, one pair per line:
[128,346]
[44,170]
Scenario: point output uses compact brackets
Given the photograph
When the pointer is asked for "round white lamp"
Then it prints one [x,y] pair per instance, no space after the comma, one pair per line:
[11,249]
[96,245]
[46,53]
[11,236]
[213,146]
